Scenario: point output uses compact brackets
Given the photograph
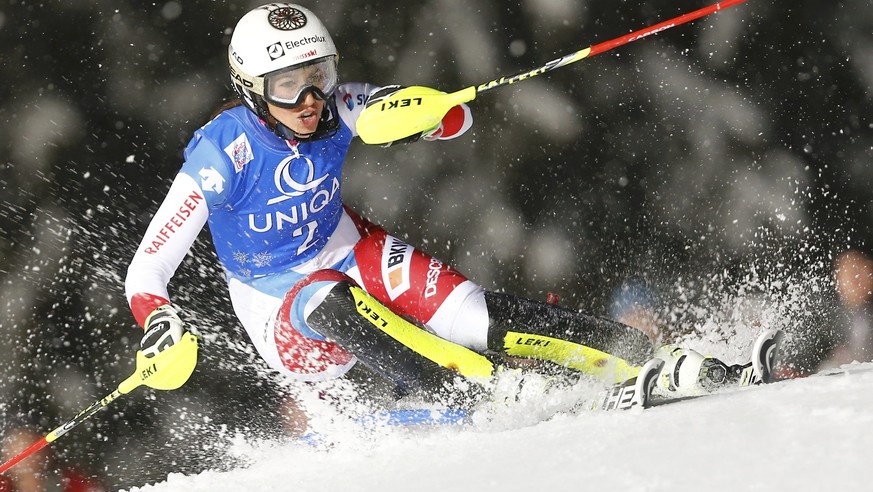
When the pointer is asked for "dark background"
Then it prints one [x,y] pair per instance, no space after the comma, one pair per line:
[721,163]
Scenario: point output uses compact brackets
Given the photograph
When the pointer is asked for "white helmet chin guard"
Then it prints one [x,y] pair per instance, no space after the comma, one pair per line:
[273,40]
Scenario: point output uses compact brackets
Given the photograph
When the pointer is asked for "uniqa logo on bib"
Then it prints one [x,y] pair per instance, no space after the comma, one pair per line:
[287,185]
[301,209]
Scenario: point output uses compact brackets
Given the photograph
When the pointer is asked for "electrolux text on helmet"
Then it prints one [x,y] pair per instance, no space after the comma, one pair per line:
[304,41]
[276,50]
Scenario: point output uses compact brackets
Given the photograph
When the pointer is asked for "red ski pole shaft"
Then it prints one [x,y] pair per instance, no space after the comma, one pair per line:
[69,425]
[661,26]
[605,46]
[168,370]
[417,109]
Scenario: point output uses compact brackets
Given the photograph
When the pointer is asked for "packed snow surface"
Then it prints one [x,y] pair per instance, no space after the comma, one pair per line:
[806,434]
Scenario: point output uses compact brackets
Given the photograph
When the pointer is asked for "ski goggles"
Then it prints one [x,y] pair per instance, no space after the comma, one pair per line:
[287,88]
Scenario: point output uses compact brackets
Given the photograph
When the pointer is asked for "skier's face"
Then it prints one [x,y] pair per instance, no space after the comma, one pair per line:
[302,120]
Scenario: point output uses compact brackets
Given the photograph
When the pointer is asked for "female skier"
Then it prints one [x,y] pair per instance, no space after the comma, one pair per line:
[317,287]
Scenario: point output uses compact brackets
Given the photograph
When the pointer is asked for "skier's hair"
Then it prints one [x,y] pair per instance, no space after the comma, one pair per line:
[224,106]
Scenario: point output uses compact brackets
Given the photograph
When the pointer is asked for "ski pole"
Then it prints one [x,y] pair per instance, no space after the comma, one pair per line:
[167,370]
[416,109]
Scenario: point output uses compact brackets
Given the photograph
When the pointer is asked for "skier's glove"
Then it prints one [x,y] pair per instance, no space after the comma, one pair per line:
[163,329]
[379,95]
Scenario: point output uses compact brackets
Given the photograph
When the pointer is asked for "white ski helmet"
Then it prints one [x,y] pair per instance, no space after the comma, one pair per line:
[279,53]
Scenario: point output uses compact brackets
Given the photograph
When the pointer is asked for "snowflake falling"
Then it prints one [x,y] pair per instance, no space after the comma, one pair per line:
[240,257]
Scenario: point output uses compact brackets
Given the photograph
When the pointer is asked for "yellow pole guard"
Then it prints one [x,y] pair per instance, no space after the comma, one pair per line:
[167,370]
[443,352]
[591,361]
[408,111]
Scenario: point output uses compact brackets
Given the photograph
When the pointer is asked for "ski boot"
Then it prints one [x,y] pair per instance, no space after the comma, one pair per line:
[687,372]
